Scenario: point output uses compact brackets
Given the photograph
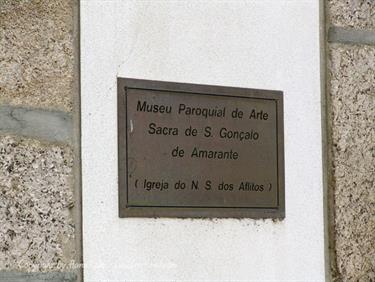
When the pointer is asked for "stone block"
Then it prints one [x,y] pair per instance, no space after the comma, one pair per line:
[36,47]
[352,105]
[36,202]
[359,14]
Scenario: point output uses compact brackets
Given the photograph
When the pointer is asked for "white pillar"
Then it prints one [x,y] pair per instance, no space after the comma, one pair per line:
[253,44]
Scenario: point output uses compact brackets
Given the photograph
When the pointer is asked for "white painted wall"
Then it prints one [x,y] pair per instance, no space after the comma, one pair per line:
[255,44]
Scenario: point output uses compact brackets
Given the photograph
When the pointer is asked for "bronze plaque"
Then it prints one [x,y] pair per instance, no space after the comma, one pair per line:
[190,150]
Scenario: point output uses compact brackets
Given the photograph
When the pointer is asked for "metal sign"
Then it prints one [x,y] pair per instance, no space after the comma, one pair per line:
[190,150]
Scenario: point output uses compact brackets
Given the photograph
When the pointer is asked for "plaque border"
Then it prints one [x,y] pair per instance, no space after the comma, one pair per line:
[126,210]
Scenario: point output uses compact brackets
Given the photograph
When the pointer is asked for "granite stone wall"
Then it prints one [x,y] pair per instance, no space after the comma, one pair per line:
[351,123]
[39,156]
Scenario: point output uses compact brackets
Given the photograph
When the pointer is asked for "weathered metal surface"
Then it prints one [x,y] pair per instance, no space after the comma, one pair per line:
[199,151]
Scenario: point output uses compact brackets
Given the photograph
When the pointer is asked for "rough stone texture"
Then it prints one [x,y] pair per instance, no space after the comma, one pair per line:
[36,199]
[352,96]
[358,14]
[36,53]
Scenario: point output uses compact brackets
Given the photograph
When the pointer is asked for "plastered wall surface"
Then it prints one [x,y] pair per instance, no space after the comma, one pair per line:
[351,100]
[257,44]
[38,157]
